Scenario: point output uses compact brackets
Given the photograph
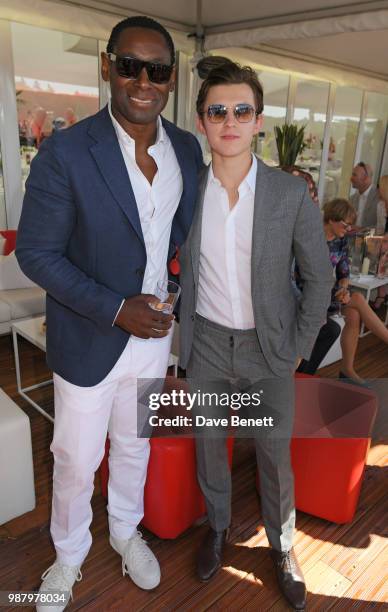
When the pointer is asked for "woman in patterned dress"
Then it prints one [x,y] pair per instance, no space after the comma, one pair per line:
[338,217]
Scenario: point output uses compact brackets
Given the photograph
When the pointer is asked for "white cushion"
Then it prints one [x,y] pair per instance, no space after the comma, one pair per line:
[16,467]
[11,276]
[5,311]
[24,302]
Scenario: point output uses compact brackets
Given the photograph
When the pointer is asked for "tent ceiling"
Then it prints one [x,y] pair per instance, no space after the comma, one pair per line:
[360,51]
[228,13]
[367,51]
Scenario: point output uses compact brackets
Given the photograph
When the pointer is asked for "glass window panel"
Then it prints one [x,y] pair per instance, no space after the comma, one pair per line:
[343,140]
[56,81]
[3,213]
[374,130]
[310,109]
[275,87]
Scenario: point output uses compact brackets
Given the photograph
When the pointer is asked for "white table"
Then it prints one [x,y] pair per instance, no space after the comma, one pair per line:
[368,282]
[31,330]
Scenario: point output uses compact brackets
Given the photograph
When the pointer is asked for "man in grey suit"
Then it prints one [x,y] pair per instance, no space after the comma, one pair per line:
[366,198]
[240,322]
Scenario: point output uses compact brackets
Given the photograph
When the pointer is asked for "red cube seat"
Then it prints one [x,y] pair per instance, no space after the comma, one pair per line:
[10,241]
[173,500]
[330,444]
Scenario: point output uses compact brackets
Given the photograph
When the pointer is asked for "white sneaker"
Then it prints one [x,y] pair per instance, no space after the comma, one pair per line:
[60,579]
[139,562]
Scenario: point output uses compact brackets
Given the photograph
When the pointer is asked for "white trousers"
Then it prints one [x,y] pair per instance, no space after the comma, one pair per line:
[83,416]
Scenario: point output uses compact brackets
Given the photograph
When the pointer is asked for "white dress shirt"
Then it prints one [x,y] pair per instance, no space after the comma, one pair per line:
[361,205]
[224,287]
[156,202]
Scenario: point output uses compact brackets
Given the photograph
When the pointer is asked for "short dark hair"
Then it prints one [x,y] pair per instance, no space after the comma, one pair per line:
[231,73]
[338,210]
[140,21]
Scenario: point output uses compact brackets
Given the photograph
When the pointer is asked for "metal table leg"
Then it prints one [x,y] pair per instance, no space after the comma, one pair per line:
[22,391]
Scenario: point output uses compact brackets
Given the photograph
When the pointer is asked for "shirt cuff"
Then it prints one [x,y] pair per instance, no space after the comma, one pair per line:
[117,313]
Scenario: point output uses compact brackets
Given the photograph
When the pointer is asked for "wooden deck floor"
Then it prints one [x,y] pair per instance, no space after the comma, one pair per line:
[345,566]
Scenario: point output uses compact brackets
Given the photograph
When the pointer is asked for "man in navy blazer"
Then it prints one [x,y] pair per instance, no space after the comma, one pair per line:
[107,203]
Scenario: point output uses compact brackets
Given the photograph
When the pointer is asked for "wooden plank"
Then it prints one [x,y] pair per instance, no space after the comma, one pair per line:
[325,581]
[361,545]
[370,590]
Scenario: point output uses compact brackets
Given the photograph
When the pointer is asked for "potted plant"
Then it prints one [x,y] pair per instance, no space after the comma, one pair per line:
[289,142]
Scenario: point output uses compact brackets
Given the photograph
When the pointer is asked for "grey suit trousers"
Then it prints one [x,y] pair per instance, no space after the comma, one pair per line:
[222,360]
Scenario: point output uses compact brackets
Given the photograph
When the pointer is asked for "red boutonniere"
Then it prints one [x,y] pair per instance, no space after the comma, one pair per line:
[174,266]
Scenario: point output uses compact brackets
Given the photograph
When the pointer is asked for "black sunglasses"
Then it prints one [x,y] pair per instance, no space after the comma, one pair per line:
[131,67]
[217,113]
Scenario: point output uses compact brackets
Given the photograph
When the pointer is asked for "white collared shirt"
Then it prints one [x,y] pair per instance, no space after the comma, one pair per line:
[361,205]
[156,202]
[224,286]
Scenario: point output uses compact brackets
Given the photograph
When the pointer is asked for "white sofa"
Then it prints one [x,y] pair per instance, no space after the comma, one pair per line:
[20,298]
[16,465]
[18,304]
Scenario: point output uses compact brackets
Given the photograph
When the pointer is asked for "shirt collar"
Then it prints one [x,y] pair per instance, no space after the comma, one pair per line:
[249,180]
[366,192]
[126,139]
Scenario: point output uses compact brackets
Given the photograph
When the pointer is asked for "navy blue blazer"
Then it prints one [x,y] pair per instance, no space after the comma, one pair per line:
[80,238]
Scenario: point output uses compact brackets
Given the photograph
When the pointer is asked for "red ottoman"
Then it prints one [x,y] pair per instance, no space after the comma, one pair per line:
[173,500]
[10,241]
[333,423]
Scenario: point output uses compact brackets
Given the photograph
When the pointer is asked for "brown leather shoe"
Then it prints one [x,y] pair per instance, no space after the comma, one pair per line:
[209,556]
[290,578]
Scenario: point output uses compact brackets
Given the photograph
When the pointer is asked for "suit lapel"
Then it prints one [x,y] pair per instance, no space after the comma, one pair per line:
[184,213]
[260,218]
[110,162]
[196,228]
[180,149]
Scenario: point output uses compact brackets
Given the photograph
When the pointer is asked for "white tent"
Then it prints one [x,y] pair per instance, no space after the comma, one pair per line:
[337,42]
[341,34]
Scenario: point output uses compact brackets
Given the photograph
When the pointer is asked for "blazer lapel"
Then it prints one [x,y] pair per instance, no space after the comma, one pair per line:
[184,213]
[196,228]
[110,162]
[260,218]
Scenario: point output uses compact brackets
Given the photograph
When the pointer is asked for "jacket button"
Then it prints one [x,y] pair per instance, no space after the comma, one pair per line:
[192,317]
[140,271]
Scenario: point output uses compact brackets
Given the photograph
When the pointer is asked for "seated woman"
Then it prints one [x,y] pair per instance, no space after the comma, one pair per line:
[338,216]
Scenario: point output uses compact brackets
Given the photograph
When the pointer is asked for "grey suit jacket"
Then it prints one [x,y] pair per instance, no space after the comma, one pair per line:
[369,217]
[286,224]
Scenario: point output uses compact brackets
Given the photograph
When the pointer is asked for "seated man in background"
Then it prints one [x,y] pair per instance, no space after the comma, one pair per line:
[366,198]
